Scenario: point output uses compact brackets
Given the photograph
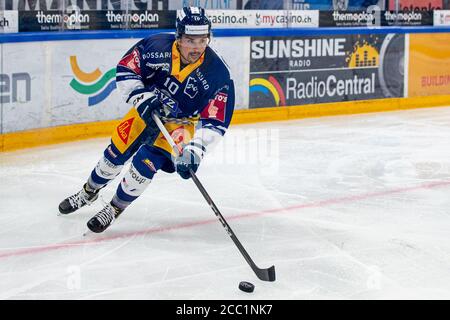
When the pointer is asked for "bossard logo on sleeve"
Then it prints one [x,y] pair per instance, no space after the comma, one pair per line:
[95,84]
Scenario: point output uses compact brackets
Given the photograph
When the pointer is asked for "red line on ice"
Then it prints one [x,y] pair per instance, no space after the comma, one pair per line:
[323,203]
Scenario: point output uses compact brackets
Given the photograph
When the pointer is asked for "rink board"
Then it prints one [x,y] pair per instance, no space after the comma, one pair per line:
[61,91]
[61,134]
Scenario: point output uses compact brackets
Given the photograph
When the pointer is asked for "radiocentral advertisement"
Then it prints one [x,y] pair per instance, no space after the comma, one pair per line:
[301,70]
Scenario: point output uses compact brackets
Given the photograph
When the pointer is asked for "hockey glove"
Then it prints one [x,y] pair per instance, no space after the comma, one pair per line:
[189,159]
[145,103]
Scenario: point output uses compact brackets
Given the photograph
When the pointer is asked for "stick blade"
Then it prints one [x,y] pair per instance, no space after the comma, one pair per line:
[266,274]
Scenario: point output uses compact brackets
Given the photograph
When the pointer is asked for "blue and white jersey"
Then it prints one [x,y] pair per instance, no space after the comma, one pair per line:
[203,89]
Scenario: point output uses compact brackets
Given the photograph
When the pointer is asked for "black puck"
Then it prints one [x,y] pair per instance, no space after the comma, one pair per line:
[246,286]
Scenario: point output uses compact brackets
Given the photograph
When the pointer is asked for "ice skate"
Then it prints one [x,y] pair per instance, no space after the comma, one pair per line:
[102,220]
[78,200]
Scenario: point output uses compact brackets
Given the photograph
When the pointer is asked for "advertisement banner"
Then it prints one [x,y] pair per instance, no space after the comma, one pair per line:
[65,82]
[407,18]
[22,86]
[441,18]
[429,64]
[416,5]
[317,69]
[95,20]
[116,19]
[349,19]
[374,18]
[60,83]
[140,5]
[234,51]
[343,5]
[263,18]
[55,5]
[9,21]
[55,21]
[207,4]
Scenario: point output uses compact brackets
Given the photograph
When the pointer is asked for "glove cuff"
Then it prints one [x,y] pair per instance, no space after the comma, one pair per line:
[144,101]
[135,94]
[139,98]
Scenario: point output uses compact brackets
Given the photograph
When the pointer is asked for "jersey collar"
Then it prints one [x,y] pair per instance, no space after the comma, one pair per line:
[176,63]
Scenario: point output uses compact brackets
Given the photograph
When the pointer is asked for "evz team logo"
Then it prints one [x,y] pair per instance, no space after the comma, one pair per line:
[168,102]
[191,89]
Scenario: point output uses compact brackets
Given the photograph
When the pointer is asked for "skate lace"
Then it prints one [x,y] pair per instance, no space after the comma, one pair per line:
[78,199]
[105,216]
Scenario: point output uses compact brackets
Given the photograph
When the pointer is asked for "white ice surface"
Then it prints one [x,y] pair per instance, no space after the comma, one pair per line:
[351,207]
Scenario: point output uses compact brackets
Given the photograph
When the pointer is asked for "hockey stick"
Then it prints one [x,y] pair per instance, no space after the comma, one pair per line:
[263,274]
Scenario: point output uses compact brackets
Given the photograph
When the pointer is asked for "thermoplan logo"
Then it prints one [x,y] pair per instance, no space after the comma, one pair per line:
[96,85]
[69,19]
[135,17]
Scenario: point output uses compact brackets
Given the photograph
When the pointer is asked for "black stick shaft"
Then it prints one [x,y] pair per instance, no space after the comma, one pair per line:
[263,274]
[223,221]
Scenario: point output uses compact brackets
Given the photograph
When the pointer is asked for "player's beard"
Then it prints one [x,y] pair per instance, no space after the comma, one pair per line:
[191,57]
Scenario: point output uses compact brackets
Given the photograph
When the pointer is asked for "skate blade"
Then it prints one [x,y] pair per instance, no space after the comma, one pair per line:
[87,233]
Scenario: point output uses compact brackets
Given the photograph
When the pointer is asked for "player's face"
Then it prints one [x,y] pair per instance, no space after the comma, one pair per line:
[192,47]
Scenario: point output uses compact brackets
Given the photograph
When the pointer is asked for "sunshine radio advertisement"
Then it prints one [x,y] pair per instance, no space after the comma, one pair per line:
[429,64]
[286,71]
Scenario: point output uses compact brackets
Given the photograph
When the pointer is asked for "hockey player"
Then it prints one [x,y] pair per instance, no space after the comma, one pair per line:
[188,84]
